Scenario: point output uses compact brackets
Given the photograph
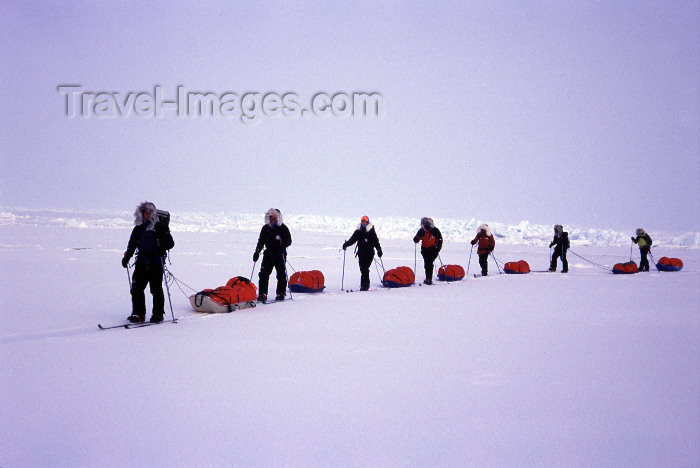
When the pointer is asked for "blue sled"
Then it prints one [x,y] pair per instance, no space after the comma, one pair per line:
[448,278]
[662,267]
[392,284]
[298,288]
[513,272]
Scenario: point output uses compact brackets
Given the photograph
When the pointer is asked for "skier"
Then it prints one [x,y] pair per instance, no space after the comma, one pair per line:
[367,241]
[486,246]
[431,243]
[275,237]
[561,245]
[644,242]
[151,240]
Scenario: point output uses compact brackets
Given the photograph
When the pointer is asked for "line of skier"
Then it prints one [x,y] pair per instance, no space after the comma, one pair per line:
[151,239]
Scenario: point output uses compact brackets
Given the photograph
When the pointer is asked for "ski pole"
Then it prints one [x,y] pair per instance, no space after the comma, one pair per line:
[470,259]
[252,271]
[284,257]
[415,256]
[631,246]
[128,275]
[342,281]
[167,288]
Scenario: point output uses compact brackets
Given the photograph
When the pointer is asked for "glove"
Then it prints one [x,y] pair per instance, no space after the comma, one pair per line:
[379,253]
[125,261]
[632,239]
[256,256]
[550,245]
[490,249]
[345,246]
[421,232]
[473,242]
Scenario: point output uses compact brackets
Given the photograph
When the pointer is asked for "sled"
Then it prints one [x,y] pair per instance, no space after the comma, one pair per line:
[450,273]
[626,268]
[307,282]
[516,268]
[400,277]
[202,302]
[239,293]
[669,264]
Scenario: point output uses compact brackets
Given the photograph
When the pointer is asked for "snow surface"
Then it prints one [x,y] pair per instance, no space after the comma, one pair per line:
[584,369]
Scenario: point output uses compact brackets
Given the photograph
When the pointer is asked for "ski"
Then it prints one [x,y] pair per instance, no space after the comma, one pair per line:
[369,290]
[101,327]
[129,325]
[273,301]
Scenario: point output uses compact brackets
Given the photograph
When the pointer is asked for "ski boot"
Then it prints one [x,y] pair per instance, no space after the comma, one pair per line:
[279,297]
[135,318]
[428,281]
[157,317]
[262,297]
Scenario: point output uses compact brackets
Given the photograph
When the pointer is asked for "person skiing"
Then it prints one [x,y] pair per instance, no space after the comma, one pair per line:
[367,242]
[431,243]
[561,245]
[150,239]
[486,245]
[644,242]
[275,238]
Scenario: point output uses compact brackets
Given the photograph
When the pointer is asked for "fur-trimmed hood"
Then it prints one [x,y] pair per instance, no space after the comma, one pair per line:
[369,227]
[641,232]
[558,230]
[486,227]
[275,212]
[150,208]
[429,221]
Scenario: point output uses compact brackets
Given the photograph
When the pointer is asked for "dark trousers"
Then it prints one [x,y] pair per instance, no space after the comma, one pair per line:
[484,263]
[365,264]
[429,256]
[145,274]
[269,262]
[644,264]
[559,253]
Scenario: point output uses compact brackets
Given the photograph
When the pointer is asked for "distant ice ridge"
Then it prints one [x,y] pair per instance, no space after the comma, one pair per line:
[455,230]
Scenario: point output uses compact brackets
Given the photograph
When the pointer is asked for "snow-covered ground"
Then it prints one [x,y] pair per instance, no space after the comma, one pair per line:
[545,369]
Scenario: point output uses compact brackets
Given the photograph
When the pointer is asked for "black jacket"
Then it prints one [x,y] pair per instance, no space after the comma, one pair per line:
[150,245]
[273,245]
[561,242]
[367,241]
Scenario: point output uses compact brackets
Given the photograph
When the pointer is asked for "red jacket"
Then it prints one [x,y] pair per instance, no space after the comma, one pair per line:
[485,243]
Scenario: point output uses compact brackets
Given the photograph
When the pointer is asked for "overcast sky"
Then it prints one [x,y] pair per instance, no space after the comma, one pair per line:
[581,113]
